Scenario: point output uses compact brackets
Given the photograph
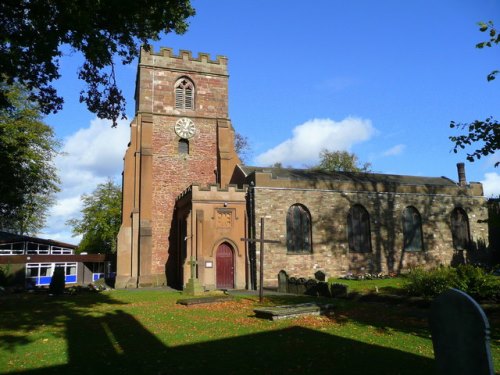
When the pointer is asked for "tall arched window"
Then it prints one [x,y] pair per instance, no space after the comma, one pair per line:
[358,229]
[412,230]
[184,94]
[298,230]
[460,229]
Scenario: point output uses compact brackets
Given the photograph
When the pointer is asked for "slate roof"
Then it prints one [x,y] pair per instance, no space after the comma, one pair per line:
[6,237]
[317,175]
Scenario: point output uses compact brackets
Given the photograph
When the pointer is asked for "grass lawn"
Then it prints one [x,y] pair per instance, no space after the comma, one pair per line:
[389,285]
[146,332]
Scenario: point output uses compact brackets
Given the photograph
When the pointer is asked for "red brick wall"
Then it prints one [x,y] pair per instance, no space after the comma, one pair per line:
[172,172]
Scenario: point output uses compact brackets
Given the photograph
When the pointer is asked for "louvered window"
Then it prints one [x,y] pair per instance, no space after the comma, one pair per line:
[460,229]
[358,229]
[412,230]
[184,94]
[183,147]
[298,230]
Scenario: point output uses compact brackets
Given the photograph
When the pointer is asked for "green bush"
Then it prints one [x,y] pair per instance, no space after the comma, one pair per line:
[470,279]
[420,282]
[57,283]
[4,275]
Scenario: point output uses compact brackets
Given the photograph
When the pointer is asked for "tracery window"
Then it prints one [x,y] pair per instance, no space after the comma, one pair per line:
[298,230]
[358,229]
[460,229]
[184,94]
[412,230]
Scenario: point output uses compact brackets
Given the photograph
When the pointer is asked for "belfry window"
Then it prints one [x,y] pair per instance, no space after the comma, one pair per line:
[184,94]
[412,230]
[358,229]
[298,230]
[183,147]
[460,229]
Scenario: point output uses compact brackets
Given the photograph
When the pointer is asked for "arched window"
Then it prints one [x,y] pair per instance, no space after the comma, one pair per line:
[358,229]
[460,229]
[298,230]
[412,230]
[184,94]
[183,147]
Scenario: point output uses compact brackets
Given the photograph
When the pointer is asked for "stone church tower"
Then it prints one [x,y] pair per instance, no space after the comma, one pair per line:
[181,134]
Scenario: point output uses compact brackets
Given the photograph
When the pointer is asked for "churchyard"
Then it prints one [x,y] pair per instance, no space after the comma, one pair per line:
[147,332]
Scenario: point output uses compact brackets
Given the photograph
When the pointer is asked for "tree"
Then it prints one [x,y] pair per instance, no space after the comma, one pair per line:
[340,161]
[241,146]
[28,176]
[486,132]
[101,219]
[33,34]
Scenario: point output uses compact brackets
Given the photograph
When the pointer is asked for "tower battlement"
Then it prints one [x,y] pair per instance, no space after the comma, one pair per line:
[183,61]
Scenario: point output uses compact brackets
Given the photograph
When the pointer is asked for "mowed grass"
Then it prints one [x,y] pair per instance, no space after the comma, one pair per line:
[389,285]
[146,332]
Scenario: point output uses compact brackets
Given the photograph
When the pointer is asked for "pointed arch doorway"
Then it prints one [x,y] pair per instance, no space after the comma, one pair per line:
[224,263]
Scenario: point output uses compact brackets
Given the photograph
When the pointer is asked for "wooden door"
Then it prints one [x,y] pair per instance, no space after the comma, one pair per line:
[225,267]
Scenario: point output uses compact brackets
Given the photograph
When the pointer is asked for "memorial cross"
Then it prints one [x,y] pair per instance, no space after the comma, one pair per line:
[262,241]
[193,264]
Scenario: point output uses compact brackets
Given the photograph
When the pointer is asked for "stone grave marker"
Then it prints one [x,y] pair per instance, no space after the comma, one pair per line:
[282,282]
[460,335]
[320,275]
[312,287]
[301,285]
[293,311]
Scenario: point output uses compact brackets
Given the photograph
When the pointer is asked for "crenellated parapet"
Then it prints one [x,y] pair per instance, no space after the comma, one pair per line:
[206,190]
[184,61]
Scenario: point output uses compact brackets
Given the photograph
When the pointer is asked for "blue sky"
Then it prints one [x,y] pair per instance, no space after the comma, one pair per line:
[381,79]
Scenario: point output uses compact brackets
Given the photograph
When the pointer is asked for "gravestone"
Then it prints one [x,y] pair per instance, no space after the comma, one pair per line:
[320,276]
[301,285]
[312,287]
[292,285]
[460,335]
[282,282]
[202,300]
[293,311]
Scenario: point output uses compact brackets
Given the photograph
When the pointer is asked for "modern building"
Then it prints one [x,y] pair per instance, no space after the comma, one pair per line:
[31,261]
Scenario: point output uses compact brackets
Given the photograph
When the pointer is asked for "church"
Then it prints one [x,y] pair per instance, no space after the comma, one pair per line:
[192,210]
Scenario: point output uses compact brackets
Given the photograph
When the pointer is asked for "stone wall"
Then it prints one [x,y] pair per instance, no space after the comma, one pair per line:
[329,209]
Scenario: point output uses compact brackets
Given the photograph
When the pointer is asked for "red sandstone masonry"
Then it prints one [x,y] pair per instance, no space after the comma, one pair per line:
[171,172]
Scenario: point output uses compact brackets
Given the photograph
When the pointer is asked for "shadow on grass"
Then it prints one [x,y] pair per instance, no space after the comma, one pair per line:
[384,317]
[38,310]
[116,343]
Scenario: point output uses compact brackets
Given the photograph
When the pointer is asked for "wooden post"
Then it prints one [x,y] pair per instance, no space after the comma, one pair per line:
[261,270]
[262,241]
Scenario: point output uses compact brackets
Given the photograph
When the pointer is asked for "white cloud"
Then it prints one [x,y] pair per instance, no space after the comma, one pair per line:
[89,157]
[314,135]
[491,184]
[393,151]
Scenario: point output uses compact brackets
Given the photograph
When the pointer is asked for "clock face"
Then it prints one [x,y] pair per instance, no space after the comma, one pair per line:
[184,128]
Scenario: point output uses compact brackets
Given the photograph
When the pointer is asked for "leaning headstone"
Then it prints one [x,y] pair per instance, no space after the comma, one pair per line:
[460,335]
[282,282]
